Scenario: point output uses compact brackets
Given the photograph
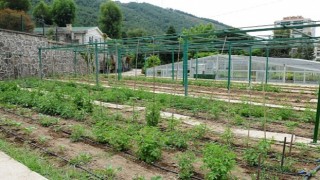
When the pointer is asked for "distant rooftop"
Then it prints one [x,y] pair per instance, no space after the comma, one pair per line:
[74,29]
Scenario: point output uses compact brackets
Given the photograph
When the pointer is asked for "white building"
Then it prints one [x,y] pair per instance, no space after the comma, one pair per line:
[69,34]
[297,20]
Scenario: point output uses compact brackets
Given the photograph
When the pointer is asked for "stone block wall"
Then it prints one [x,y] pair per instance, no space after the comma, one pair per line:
[19,56]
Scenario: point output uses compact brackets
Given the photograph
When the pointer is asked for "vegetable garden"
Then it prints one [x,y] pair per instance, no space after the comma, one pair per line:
[111,126]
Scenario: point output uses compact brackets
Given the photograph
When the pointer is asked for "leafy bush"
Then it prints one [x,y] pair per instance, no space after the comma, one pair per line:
[186,168]
[198,131]
[251,155]
[149,143]
[176,139]
[218,160]
[153,114]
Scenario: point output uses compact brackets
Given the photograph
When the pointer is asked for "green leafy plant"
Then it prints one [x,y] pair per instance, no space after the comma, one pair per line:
[251,155]
[77,132]
[81,159]
[47,121]
[176,139]
[149,143]
[109,172]
[198,131]
[218,160]
[227,136]
[153,114]
[186,168]
[29,129]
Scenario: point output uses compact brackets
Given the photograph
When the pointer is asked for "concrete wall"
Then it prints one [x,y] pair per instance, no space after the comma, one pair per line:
[19,56]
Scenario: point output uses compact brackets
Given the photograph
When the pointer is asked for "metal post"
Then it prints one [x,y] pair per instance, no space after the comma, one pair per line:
[145,62]
[284,73]
[172,65]
[267,65]
[185,65]
[97,62]
[40,63]
[316,126]
[250,66]
[119,64]
[197,63]
[229,66]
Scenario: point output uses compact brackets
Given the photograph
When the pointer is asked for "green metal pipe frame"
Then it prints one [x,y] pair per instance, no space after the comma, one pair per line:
[97,62]
[316,125]
[267,66]
[172,66]
[250,66]
[229,66]
[119,69]
[185,65]
[197,63]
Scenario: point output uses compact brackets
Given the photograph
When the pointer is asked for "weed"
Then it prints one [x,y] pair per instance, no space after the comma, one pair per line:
[29,129]
[238,120]
[43,139]
[109,172]
[149,143]
[47,121]
[186,168]
[77,132]
[139,177]
[81,159]
[218,160]
[303,148]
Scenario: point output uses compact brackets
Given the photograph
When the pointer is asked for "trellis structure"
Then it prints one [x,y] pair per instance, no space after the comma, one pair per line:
[224,41]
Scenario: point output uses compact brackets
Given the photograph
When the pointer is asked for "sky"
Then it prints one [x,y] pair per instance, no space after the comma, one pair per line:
[243,13]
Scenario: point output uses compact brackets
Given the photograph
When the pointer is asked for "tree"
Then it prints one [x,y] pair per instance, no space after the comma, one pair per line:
[63,12]
[171,31]
[110,19]
[19,5]
[14,17]
[281,50]
[136,33]
[42,12]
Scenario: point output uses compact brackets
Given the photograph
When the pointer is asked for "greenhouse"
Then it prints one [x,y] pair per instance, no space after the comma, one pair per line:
[280,70]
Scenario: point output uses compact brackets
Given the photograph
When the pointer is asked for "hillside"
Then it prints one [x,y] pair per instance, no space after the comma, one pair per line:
[153,19]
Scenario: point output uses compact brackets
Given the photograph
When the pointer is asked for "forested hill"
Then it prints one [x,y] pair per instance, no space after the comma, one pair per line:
[153,19]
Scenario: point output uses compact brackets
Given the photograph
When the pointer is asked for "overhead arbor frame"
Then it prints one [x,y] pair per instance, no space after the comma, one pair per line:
[224,41]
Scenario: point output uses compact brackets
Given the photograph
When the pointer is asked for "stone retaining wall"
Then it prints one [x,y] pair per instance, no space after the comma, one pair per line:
[19,56]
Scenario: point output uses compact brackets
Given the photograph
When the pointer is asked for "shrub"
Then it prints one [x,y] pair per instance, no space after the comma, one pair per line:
[186,168]
[176,139]
[152,114]
[251,155]
[218,160]
[149,143]
[198,131]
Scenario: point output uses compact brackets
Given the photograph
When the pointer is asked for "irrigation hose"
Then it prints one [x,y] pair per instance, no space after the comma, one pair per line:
[48,152]
[97,143]
[86,139]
